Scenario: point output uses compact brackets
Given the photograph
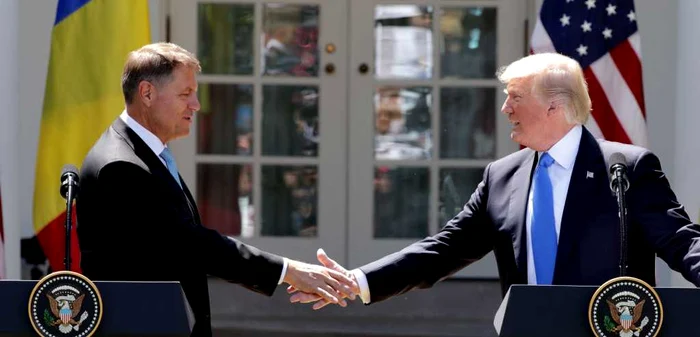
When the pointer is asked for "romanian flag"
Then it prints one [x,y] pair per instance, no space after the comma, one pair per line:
[89,45]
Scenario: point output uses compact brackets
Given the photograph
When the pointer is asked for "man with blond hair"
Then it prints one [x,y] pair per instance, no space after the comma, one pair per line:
[137,220]
[546,211]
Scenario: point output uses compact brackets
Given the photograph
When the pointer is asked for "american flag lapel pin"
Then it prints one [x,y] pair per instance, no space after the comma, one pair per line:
[589,174]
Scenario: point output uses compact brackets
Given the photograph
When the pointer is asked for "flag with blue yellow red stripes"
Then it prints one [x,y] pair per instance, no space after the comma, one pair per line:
[90,41]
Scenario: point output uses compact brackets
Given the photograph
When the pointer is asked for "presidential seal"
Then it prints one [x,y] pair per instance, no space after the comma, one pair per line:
[625,307]
[65,304]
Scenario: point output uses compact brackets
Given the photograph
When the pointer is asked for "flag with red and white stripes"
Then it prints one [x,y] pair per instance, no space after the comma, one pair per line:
[602,36]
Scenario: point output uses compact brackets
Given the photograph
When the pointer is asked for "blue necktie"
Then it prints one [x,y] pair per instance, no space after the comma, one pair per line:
[544,235]
[170,162]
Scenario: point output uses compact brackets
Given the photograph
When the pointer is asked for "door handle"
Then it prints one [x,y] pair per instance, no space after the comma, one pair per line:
[363,68]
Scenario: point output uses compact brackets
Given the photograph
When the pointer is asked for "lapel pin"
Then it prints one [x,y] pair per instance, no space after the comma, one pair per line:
[589,174]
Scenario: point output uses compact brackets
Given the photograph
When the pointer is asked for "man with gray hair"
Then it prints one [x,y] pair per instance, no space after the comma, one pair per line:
[546,211]
[137,220]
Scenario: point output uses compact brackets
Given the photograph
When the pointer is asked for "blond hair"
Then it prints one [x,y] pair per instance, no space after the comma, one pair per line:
[557,79]
[154,63]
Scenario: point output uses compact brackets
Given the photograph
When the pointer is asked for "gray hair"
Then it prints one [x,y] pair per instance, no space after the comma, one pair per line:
[154,63]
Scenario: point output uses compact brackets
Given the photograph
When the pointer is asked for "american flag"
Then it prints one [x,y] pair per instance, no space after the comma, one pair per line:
[602,36]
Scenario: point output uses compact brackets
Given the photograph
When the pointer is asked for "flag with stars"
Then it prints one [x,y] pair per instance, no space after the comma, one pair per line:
[602,36]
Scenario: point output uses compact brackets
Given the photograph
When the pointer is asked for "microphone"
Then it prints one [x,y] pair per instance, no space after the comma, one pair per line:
[69,181]
[619,184]
[68,190]
[618,170]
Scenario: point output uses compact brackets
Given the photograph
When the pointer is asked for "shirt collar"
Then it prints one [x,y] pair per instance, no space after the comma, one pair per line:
[148,137]
[565,150]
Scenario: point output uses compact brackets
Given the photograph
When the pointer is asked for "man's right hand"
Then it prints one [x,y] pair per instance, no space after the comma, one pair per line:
[305,297]
[320,282]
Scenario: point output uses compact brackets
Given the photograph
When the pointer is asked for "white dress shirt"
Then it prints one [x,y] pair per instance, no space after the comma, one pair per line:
[564,155]
[157,146]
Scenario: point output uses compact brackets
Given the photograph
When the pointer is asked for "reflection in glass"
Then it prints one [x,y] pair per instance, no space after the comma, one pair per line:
[402,123]
[226,38]
[456,187]
[225,198]
[401,202]
[468,123]
[403,41]
[225,120]
[290,199]
[468,42]
[290,121]
[290,40]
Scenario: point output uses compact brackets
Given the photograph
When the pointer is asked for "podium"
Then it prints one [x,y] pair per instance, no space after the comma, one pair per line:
[544,311]
[128,309]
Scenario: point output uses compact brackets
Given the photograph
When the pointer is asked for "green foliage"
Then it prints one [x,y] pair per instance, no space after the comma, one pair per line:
[609,324]
[48,318]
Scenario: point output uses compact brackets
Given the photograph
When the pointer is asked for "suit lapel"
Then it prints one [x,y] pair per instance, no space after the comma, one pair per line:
[156,166]
[520,188]
[586,178]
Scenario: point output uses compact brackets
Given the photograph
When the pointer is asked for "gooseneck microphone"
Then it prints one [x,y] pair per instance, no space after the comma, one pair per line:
[619,184]
[69,189]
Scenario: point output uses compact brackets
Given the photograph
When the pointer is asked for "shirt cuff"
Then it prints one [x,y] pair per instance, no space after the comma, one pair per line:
[364,286]
[284,271]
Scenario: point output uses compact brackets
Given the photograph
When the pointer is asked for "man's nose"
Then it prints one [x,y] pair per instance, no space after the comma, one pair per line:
[506,108]
[194,104]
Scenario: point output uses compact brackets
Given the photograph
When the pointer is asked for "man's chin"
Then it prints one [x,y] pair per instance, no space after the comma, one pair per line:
[517,138]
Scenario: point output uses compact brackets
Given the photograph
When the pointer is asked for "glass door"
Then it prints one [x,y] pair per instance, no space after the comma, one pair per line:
[265,159]
[425,115]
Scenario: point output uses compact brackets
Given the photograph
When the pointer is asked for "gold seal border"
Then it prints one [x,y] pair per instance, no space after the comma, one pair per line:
[622,279]
[66,273]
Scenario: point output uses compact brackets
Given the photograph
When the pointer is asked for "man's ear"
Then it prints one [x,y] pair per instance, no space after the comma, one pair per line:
[147,92]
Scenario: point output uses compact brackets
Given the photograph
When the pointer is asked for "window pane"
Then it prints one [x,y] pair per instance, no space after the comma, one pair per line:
[225,198]
[456,187]
[290,199]
[468,123]
[290,121]
[468,38]
[225,120]
[402,123]
[290,40]
[403,41]
[226,38]
[401,202]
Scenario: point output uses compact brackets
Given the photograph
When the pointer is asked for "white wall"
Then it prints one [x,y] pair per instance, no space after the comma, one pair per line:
[9,163]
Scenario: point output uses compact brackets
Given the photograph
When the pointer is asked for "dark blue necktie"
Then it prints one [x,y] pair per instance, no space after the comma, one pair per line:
[170,163]
[544,235]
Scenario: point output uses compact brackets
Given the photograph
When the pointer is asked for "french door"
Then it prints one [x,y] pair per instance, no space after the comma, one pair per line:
[357,126]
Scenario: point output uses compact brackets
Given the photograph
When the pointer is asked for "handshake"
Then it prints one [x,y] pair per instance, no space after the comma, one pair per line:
[324,284]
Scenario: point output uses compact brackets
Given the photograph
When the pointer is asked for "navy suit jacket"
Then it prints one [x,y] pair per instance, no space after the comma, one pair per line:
[589,242]
[134,223]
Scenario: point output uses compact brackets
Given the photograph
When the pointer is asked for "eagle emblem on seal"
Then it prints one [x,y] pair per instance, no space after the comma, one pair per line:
[626,315]
[65,310]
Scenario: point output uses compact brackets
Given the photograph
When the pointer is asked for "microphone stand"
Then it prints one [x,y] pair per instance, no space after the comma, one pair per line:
[69,183]
[620,186]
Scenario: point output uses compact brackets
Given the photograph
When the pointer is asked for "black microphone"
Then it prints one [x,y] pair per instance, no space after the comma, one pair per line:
[619,184]
[69,189]
[69,181]
[618,170]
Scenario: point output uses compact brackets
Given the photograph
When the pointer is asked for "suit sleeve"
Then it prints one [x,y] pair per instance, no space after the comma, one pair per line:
[188,246]
[465,239]
[664,221]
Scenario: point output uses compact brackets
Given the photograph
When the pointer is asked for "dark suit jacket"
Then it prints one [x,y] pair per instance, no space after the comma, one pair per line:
[136,223]
[589,241]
